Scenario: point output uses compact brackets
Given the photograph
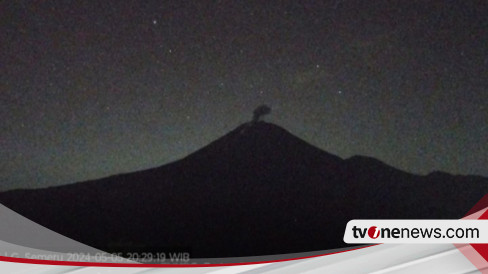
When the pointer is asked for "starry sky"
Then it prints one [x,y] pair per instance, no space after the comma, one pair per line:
[94,88]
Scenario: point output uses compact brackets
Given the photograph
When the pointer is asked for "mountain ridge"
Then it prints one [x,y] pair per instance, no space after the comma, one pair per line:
[257,190]
[371,161]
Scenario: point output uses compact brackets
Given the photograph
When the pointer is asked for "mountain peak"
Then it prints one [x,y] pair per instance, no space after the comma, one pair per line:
[261,128]
[253,134]
[260,144]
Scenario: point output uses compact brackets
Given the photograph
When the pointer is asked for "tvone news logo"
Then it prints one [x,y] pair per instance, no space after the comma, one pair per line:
[374,232]
[416,231]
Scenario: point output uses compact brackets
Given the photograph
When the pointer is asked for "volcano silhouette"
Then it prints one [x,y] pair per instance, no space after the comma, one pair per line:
[258,190]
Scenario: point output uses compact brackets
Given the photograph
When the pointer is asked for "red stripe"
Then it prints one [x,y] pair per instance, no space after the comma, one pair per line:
[482,203]
[482,249]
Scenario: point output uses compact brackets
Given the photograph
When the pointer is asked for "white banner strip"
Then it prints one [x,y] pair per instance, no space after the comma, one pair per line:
[416,231]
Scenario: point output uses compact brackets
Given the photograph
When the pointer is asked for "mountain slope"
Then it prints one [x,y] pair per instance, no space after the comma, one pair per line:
[257,190]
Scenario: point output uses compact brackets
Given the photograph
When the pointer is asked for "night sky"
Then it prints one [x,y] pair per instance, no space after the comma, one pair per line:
[94,88]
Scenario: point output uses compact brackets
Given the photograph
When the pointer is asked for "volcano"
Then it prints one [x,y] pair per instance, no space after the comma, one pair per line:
[258,190]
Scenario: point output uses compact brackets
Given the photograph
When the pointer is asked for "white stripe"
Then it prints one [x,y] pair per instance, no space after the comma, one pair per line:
[238,269]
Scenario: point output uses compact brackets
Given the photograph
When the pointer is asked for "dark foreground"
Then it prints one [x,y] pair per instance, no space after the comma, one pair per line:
[258,190]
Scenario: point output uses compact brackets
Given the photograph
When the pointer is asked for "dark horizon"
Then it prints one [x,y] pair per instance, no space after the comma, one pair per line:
[236,129]
[90,90]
